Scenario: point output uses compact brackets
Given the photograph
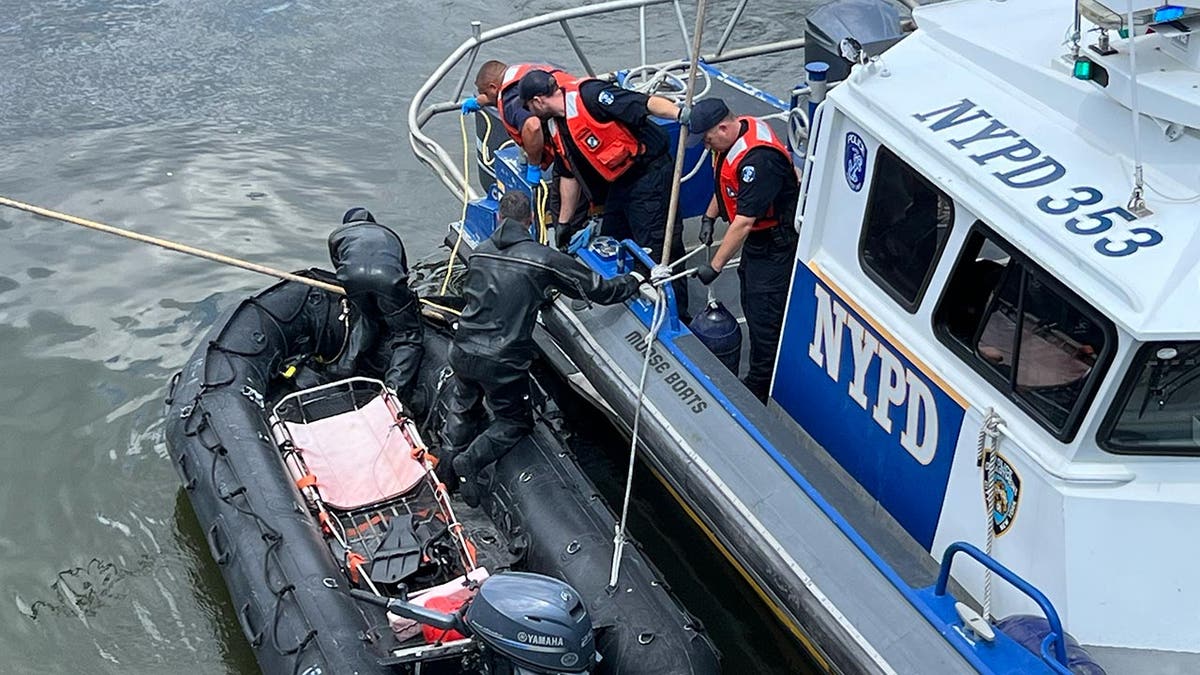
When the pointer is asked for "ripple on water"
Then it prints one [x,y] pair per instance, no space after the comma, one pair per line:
[8,284]
[54,329]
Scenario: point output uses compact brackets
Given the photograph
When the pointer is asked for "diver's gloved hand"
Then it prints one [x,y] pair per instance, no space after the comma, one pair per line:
[706,274]
[646,290]
[707,225]
[580,240]
[470,105]
[533,174]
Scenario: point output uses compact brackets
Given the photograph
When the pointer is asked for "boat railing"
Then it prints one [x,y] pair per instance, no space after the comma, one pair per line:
[423,108]
[1055,639]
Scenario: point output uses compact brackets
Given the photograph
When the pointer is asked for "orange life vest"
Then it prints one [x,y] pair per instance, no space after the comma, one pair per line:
[609,147]
[758,134]
[512,77]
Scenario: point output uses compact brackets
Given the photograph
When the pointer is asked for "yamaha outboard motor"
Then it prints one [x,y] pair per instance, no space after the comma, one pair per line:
[524,624]
[537,623]
[875,24]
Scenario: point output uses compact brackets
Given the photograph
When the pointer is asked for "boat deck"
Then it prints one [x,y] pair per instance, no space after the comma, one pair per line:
[749,499]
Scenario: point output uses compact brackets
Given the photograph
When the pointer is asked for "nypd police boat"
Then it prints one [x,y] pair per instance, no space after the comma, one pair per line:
[979,453]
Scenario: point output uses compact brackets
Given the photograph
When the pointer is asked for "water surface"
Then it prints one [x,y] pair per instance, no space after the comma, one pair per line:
[245,128]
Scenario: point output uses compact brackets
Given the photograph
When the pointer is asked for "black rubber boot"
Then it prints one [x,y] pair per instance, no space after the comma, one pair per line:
[468,478]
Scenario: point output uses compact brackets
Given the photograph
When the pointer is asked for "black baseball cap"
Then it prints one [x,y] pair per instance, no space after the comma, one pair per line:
[705,115]
[536,83]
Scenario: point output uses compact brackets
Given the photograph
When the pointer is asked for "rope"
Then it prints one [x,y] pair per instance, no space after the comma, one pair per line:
[653,85]
[989,436]
[466,197]
[656,322]
[190,250]
[169,245]
[542,191]
[681,147]
[486,152]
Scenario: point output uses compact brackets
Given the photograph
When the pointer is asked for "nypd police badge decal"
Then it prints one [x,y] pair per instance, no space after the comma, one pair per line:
[855,161]
[747,174]
[1006,494]
[605,97]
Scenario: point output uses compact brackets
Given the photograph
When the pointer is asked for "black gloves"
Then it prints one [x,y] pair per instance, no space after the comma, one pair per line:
[706,274]
[707,225]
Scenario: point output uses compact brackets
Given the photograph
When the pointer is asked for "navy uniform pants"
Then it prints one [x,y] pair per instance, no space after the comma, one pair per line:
[637,209]
[505,390]
[765,273]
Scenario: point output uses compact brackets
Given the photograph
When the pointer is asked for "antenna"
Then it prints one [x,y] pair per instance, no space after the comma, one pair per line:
[1137,202]
[1076,34]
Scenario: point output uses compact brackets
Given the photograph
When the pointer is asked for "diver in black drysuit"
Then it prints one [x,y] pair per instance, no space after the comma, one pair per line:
[509,278]
[386,335]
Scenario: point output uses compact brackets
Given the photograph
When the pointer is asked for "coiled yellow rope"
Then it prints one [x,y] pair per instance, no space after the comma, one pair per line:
[466,189]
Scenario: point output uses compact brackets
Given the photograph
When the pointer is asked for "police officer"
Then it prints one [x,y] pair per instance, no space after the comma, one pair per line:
[510,277]
[756,192]
[604,136]
[387,332]
[497,86]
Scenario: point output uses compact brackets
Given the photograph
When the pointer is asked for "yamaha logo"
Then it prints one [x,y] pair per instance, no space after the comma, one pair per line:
[539,639]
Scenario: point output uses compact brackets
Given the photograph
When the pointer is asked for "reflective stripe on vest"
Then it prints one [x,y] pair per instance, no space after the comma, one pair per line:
[609,147]
[758,134]
[512,77]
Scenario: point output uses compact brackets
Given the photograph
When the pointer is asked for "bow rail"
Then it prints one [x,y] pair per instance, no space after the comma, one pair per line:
[422,110]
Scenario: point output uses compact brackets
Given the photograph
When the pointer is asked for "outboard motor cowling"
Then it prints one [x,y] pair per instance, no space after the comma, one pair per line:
[874,23]
[537,622]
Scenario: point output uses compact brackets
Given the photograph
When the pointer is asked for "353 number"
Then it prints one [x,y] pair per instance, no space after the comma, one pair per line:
[1099,222]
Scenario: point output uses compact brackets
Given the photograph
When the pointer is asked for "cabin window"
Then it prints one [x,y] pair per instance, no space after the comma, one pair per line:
[1031,337]
[906,225]
[1158,408]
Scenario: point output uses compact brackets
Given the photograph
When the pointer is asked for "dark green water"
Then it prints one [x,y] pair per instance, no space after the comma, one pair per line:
[245,128]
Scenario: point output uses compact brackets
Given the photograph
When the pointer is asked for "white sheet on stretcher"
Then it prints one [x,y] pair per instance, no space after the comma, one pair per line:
[359,457]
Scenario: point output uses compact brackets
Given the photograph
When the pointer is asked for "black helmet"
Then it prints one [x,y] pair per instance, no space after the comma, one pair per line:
[356,214]
[536,621]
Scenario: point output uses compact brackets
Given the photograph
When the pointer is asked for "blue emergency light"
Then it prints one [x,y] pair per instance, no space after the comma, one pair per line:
[1168,13]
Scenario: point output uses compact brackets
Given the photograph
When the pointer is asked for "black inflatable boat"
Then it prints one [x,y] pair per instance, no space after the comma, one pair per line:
[343,552]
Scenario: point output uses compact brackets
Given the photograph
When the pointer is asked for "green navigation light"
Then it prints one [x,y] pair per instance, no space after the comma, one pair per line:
[1083,69]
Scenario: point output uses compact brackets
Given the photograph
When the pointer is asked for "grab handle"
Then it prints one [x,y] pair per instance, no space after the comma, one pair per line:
[218,542]
[253,636]
[1057,636]
[185,471]
[411,611]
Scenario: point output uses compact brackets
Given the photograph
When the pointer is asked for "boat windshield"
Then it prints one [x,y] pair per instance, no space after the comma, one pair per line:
[1158,410]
